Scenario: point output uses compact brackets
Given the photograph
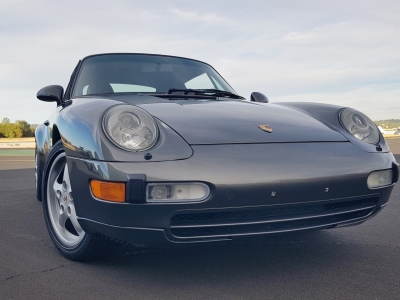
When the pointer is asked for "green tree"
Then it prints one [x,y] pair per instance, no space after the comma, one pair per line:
[33,129]
[10,130]
[25,128]
[6,121]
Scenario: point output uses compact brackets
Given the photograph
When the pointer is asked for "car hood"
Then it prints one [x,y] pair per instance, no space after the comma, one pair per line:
[234,122]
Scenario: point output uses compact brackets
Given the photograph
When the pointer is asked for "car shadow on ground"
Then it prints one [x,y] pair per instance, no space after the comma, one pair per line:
[277,255]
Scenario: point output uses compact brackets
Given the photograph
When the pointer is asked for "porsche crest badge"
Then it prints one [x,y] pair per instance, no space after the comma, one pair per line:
[265,128]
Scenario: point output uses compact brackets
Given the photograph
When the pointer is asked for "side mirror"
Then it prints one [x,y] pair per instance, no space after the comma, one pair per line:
[258,97]
[51,93]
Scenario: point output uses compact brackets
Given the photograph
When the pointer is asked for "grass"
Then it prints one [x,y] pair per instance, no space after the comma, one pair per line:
[17,152]
[17,140]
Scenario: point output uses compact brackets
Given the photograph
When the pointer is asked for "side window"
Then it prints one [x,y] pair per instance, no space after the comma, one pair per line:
[130,88]
[85,88]
[200,82]
[125,88]
[217,84]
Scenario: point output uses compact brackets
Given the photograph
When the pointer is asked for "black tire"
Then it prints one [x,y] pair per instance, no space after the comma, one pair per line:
[78,245]
[38,177]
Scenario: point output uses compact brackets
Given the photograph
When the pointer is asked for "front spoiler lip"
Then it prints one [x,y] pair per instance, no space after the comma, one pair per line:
[163,238]
[164,235]
[121,227]
[231,236]
[273,220]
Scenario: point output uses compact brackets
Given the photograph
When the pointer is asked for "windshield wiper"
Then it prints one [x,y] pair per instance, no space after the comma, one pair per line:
[207,92]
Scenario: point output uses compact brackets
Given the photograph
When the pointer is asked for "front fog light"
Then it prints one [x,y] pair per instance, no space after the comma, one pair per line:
[379,179]
[176,192]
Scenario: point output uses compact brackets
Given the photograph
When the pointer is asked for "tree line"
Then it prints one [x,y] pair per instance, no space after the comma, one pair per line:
[19,128]
[391,123]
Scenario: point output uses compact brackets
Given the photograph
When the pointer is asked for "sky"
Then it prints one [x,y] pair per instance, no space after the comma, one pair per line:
[339,52]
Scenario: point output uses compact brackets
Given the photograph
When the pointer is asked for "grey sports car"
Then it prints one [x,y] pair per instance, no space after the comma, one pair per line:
[157,151]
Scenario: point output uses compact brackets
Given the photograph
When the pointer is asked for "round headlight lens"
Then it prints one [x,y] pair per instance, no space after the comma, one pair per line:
[359,125]
[130,128]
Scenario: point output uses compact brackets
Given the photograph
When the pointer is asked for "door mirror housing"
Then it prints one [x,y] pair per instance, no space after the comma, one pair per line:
[51,93]
[258,97]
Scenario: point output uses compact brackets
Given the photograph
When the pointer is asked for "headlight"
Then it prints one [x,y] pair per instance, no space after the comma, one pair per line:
[130,128]
[359,125]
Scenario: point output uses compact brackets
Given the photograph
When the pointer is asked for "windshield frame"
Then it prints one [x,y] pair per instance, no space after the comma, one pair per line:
[81,63]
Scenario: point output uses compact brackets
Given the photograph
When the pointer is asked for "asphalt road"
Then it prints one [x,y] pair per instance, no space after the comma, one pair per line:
[361,262]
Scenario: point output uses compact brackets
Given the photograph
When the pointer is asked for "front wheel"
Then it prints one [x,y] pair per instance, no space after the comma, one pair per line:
[60,214]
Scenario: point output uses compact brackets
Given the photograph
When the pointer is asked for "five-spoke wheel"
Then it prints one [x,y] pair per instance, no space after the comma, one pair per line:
[60,204]
[61,216]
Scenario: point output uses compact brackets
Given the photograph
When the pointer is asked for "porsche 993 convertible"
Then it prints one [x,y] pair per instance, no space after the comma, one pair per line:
[157,151]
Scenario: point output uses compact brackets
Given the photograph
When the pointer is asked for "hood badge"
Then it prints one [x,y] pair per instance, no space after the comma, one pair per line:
[265,128]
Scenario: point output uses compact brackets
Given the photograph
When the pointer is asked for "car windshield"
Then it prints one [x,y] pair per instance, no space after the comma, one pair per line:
[141,73]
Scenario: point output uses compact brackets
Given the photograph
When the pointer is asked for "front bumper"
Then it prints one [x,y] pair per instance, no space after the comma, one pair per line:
[256,189]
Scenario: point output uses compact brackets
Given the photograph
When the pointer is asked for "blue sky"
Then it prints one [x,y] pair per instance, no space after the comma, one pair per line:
[342,52]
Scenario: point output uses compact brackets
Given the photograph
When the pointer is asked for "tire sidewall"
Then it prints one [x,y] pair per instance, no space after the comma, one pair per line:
[39,175]
[73,252]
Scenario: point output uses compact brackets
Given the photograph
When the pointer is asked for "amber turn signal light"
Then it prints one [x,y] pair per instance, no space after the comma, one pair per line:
[108,191]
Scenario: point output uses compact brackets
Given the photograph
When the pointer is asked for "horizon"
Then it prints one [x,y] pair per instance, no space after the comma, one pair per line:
[13,121]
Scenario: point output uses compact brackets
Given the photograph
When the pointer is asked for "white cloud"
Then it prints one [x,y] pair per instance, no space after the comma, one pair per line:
[211,18]
[340,52]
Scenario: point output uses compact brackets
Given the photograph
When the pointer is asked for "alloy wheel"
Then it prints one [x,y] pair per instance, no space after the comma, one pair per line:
[61,206]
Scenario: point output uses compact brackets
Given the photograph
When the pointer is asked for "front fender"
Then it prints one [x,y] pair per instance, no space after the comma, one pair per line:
[80,128]
[43,144]
[328,114]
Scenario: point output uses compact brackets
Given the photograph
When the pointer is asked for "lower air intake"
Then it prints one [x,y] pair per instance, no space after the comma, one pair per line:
[268,219]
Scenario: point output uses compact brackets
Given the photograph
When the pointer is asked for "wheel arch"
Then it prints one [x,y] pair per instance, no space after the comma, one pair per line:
[329,115]
[55,136]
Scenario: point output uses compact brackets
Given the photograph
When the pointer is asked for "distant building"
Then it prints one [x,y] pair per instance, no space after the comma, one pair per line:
[389,131]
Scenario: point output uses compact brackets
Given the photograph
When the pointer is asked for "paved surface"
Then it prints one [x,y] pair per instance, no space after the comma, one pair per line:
[394,144]
[16,159]
[361,262]
[16,162]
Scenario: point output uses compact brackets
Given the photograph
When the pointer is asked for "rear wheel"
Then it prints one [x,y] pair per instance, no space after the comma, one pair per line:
[38,177]
[60,214]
